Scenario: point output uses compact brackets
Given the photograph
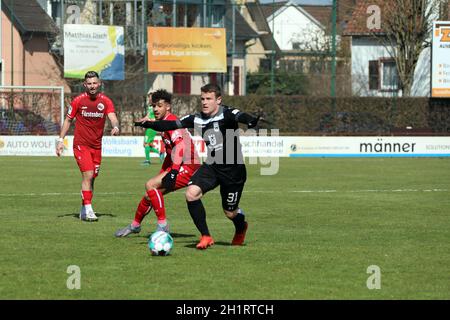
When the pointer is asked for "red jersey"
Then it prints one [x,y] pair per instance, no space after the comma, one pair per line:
[174,137]
[90,117]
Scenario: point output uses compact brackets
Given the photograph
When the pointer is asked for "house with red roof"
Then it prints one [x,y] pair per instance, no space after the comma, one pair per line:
[373,67]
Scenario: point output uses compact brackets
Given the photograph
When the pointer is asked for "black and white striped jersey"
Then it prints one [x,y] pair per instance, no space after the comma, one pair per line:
[220,133]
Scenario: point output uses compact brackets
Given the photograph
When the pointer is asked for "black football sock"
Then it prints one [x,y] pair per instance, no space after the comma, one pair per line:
[198,214]
[239,221]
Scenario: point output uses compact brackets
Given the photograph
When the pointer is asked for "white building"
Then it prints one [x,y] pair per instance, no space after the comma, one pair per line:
[374,71]
[294,28]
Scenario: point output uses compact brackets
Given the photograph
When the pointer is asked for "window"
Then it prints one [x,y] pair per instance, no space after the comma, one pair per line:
[389,75]
[188,15]
[212,78]
[265,64]
[56,11]
[218,78]
[296,45]
[236,78]
[292,65]
[215,14]
[181,83]
[383,75]
[319,66]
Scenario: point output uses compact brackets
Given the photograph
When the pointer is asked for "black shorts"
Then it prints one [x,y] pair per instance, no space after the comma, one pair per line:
[231,179]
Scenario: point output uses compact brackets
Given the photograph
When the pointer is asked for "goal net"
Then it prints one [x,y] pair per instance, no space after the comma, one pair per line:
[31,110]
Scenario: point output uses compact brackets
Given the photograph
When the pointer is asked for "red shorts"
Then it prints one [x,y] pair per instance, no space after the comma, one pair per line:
[88,159]
[184,174]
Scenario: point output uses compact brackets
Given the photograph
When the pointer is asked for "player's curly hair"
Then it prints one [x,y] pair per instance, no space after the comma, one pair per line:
[161,94]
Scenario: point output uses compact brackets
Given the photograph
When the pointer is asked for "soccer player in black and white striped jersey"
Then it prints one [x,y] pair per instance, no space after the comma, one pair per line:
[224,166]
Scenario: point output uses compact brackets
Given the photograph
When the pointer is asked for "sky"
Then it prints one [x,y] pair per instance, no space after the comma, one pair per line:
[313,2]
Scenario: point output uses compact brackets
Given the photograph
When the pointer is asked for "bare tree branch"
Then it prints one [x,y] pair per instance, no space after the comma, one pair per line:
[407,27]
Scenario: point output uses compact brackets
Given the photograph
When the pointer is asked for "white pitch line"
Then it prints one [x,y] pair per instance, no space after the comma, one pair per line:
[59,194]
[246,191]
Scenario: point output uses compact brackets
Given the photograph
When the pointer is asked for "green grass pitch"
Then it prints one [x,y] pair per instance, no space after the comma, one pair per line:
[314,229]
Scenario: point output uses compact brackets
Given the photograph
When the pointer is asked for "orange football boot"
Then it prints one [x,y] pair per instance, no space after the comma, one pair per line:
[239,237]
[205,242]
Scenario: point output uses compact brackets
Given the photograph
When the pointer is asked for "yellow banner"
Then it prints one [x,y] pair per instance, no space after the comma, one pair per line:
[186,49]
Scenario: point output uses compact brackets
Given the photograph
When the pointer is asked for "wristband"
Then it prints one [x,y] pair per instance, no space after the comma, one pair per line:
[60,140]
[116,128]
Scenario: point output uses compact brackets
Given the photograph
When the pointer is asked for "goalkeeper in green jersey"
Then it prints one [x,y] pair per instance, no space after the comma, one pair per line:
[149,136]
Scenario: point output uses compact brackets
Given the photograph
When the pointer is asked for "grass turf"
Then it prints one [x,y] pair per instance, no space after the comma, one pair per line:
[314,229]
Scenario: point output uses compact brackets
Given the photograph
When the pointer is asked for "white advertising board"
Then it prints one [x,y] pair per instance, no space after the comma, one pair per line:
[94,47]
[270,146]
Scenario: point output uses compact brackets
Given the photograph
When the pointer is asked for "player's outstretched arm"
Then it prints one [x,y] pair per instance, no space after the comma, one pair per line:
[166,125]
[247,119]
[162,125]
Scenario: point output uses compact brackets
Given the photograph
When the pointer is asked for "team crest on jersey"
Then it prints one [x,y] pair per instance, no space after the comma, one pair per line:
[100,106]
[216,126]
[212,139]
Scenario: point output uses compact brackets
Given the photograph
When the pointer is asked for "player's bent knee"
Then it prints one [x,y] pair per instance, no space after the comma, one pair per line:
[148,185]
[151,184]
[231,214]
[193,193]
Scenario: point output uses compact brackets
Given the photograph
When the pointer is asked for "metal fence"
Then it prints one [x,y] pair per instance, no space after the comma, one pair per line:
[296,52]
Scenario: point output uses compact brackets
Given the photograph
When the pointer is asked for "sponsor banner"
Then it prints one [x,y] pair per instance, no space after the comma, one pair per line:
[440,76]
[265,146]
[27,145]
[370,147]
[260,146]
[186,49]
[94,47]
[122,146]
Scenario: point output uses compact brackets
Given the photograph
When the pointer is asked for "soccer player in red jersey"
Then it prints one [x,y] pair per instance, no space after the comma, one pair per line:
[177,169]
[90,110]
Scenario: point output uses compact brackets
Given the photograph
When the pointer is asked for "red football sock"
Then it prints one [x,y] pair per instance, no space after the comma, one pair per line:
[157,200]
[86,196]
[143,208]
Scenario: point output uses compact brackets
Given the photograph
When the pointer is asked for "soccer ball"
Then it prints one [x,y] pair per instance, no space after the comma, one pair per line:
[160,243]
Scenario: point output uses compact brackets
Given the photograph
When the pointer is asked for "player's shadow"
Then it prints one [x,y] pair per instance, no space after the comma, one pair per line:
[174,235]
[77,215]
